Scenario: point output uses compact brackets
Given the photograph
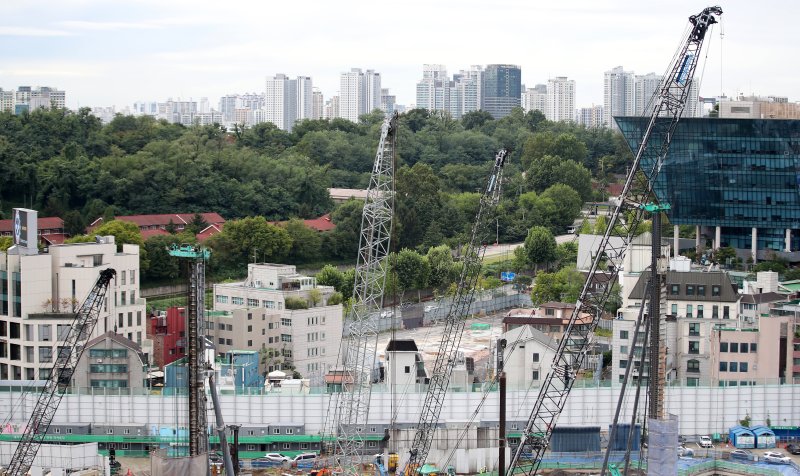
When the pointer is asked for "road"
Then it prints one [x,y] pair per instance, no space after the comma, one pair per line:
[508,248]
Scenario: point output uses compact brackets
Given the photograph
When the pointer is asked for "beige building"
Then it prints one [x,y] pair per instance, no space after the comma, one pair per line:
[39,293]
[111,361]
[256,317]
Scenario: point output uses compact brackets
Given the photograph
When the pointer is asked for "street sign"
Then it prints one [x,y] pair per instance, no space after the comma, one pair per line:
[507,276]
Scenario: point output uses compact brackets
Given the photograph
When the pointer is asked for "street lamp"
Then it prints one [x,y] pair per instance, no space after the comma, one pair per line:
[497,232]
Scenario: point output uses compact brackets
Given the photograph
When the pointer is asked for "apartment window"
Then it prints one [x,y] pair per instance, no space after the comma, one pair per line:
[229,327]
[535,356]
[44,332]
[122,276]
[733,366]
[726,312]
[222,299]
[45,354]
[286,446]
[138,318]
[623,364]
[743,347]
[133,297]
[133,276]
[742,366]
[699,311]
[694,329]
[623,334]
[715,312]
[276,431]
[723,366]
[249,328]
[675,289]
[715,290]
[623,349]
[407,369]
[290,431]
[122,297]
[268,304]
[29,356]
[689,310]
[69,430]
[249,316]
[692,382]
[63,331]
[121,319]
[723,346]
[694,346]
[28,328]
[674,310]
[753,348]
[252,302]
[550,312]
[701,290]
[228,341]
[734,347]
[690,289]
[249,343]
[130,319]
[286,338]
[237,300]
[535,375]
[286,322]
[693,366]
[127,431]
[221,341]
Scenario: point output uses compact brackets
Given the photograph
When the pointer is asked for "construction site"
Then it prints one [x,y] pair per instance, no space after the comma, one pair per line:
[420,411]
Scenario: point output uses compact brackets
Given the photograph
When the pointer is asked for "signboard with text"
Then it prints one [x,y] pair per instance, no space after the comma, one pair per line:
[507,276]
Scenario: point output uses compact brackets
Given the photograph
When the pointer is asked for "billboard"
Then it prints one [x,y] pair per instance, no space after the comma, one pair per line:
[25,228]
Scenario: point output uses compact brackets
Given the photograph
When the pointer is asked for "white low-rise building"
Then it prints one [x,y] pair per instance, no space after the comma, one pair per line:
[528,356]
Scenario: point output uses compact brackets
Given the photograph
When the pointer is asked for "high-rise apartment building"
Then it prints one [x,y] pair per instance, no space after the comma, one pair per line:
[6,101]
[502,89]
[317,104]
[436,92]
[645,87]
[388,101]
[331,109]
[29,99]
[590,116]
[359,93]
[305,98]
[280,107]
[560,99]
[535,99]
[618,95]
[40,292]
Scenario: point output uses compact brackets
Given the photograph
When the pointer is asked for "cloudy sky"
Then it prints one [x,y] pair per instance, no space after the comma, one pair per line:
[115,52]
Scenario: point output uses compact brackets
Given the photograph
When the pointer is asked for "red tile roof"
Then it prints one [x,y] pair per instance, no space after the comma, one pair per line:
[54,238]
[209,231]
[322,223]
[148,233]
[163,219]
[45,223]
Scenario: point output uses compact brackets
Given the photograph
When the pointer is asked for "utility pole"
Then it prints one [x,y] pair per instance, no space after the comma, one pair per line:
[501,377]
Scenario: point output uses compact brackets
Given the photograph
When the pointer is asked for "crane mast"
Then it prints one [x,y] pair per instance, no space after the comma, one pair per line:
[361,326]
[665,113]
[454,322]
[67,358]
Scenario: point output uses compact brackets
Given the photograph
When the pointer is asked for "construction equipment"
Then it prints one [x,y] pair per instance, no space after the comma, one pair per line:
[348,421]
[69,354]
[454,322]
[665,112]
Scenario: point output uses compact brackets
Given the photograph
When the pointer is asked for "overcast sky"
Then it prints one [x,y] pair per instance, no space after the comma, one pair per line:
[115,52]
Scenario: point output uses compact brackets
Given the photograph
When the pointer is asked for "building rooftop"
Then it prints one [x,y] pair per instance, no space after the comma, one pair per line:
[46,223]
[398,345]
[162,219]
[763,298]
[727,291]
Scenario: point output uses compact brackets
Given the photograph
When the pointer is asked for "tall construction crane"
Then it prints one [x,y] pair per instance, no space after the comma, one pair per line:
[454,322]
[665,112]
[348,421]
[69,354]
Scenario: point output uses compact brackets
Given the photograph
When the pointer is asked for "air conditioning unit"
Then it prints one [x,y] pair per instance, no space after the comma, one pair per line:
[99,361]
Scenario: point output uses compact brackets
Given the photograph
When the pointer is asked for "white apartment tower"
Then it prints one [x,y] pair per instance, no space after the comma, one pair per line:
[305,98]
[646,86]
[560,99]
[535,99]
[359,93]
[287,101]
[433,91]
[39,293]
[317,104]
[618,95]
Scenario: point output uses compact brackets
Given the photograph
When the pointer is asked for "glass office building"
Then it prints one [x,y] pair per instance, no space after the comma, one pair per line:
[738,180]
[501,89]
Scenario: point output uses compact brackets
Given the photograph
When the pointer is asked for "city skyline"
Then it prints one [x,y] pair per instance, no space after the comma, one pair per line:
[105,54]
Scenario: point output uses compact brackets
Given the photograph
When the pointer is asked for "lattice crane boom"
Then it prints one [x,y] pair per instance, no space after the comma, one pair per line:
[454,322]
[67,358]
[348,421]
[665,113]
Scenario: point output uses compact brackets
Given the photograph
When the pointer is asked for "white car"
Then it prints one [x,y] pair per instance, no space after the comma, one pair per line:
[276,457]
[705,442]
[776,458]
[431,308]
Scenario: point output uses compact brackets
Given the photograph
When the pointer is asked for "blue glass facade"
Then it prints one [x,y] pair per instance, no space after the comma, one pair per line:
[737,174]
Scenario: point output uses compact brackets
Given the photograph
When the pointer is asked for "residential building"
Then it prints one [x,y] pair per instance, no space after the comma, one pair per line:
[111,361]
[256,317]
[150,225]
[31,99]
[317,104]
[50,230]
[792,333]
[331,109]
[458,96]
[550,318]
[560,99]
[527,357]
[618,95]
[645,88]
[168,333]
[305,98]
[387,101]
[535,99]
[734,179]
[359,93]
[287,101]
[756,107]
[590,116]
[433,90]
[7,100]
[39,293]
[501,89]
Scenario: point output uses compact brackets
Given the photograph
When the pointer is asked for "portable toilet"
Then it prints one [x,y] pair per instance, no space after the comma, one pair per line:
[742,437]
[765,438]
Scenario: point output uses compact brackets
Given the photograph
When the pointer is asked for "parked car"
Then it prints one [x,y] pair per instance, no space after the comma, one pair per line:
[741,454]
[431,308]
[304,458]
[276,457]
[776,458]
[793,449]
[705,442]
[684,452]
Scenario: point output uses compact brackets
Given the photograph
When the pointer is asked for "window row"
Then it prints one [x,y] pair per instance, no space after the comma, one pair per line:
[733,366]
[694,289]
[251,302]
[740,347]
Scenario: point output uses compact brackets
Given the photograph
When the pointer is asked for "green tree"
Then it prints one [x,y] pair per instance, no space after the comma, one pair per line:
[567,254]
[242,239]
[197,224]
[548,170]
[329,275]
[342,242]
[411,268]
[540,247]
[563,286]
[74,223]
[600,225]
[306,243]
[162,265]
[476,119]
[440,260]
[5,243]
[124,232]
[565,146]
[568,205]
[334,299]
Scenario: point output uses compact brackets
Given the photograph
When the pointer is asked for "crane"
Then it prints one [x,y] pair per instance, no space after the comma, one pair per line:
[348,420]
[454,322]
[69,354]
[665,112]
